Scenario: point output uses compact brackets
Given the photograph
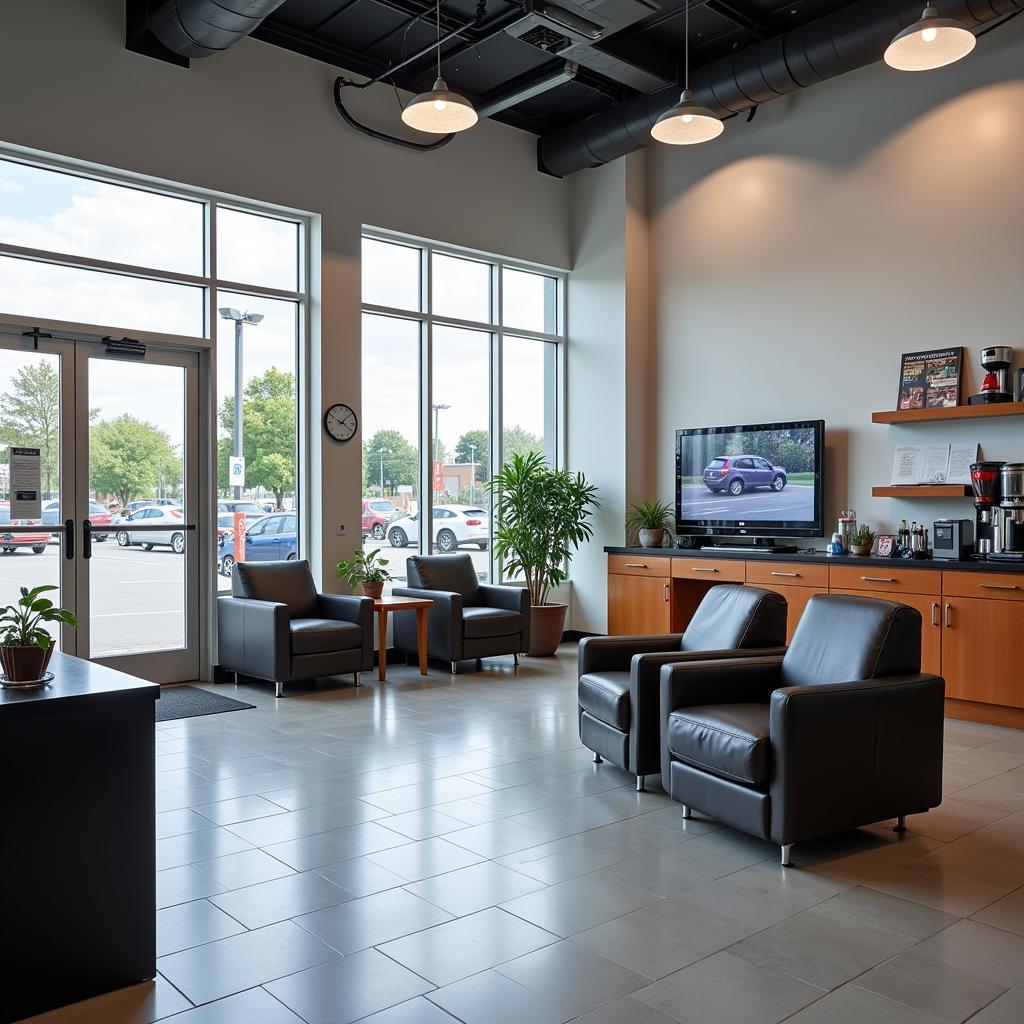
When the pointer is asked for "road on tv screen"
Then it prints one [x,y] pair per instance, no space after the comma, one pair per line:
[793,504]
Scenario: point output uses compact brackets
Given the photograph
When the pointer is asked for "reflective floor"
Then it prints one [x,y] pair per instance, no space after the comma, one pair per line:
[431,850]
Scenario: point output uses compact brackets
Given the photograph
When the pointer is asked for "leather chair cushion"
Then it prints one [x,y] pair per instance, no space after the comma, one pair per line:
[454,573]
[605,696]
[730,740]
[731,617]
[324,636]
[289,583]
[479,623]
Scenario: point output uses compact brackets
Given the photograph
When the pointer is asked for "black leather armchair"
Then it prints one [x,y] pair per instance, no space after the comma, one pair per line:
[468,619]
[842,731]
[276,626]
[618,690]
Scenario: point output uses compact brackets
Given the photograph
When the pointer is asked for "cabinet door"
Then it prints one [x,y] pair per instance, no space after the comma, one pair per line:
[796,599]
[931,624]
[981,645]
[638,605]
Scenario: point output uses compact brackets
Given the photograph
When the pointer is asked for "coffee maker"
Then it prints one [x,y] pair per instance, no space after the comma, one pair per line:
[996,385]
[1011,510]
[986,480]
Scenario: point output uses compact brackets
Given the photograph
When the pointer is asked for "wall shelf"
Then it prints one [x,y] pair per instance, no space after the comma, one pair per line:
[923,491]
[956,412]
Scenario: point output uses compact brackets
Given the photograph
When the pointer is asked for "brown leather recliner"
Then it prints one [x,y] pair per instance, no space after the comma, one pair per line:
[842,731]
[618,675]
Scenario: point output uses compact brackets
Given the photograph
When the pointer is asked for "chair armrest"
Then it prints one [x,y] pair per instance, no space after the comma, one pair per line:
[848,753]
[350,608]
[615,653]
[253,637]
[444,623]
[509,599]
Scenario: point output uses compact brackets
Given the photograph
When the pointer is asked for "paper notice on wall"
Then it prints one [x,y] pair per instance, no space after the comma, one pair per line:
[934,463]
[26,499]
[960,458]
[906,464]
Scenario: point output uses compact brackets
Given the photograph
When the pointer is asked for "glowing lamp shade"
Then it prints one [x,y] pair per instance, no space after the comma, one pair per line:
[930,43]
[687,123]
[439,112]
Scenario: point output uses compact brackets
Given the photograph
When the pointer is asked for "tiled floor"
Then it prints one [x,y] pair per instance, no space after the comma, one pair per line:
[438,850]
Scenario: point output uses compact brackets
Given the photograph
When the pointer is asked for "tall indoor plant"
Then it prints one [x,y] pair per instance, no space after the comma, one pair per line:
[25,647]
[543,517]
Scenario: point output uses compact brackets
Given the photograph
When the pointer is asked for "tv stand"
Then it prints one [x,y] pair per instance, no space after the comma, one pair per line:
[759,547]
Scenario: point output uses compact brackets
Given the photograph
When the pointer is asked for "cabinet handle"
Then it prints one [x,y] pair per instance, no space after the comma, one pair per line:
[878,579]
[793,574]
[949,610]
[636,565]
[998,586]
[935,613]
[666,592]
[701,568]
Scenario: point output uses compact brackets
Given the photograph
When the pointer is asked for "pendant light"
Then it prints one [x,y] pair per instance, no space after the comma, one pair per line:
[439,111]
[687,123]
[930,43]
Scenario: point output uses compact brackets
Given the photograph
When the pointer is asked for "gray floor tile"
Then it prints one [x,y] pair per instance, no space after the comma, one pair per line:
[243,961]
[1007,913]
[1007,1009]
[192,847]
[361,877]
[726,989]
[491,998]
[372,920]
[474,888]
[501,837]
[572,978]
[423,859]
[348,989]
[339,844]
[307,821]
[246,868]
[281,898]
[192,924]
[853,1005]
[177,823]
[179,885]
[624,1011]
[429,794]
[467,945]
[241,808]
[414,1011]
[424,823]
[254,1006]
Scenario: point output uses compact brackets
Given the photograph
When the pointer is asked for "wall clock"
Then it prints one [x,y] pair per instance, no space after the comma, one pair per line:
[340,422]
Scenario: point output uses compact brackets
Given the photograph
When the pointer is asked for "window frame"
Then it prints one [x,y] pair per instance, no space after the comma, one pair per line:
[428,320]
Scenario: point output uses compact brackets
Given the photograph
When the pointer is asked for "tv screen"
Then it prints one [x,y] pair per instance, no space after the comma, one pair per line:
[757,480]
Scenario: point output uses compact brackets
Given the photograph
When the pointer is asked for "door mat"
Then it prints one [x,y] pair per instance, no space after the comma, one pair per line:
[191,702]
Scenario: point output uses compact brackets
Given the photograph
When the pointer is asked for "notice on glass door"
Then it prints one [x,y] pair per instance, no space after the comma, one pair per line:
[26,499]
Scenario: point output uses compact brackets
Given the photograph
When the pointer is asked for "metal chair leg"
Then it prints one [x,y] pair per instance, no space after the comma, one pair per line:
[687,813]
[901,824]
[455,668]
[278,689]
[640,784]
[787,849]
[598,759]
[235,674]
[515,658]
[355,678]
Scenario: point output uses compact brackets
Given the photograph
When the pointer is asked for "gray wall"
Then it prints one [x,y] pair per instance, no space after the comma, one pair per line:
[795,258]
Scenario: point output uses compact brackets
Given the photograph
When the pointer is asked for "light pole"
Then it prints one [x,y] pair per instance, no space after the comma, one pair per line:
[239,318]
[472,474]
[383,452]
[437,419]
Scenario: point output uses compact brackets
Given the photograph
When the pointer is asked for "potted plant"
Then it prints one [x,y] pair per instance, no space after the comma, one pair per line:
[365,570]
[543,517]
[649,523]
[25,647]
[862,540]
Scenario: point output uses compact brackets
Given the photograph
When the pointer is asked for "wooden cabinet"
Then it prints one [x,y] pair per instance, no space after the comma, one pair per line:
[930,607]
[638,604]
[795,582]
[981,644]
[891,582]
[639,565]
[710,570]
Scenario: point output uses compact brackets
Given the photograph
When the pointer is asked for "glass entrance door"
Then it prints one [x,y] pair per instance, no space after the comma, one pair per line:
[117,529]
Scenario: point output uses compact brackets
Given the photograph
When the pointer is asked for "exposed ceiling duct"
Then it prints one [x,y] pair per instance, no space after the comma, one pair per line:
[850,38]
[198,28]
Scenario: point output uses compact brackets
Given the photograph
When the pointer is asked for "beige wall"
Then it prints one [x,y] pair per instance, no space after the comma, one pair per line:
[794,259]
[72,89]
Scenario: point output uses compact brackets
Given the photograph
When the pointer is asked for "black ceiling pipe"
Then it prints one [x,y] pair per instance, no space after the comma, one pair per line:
[850,38]
[198,28]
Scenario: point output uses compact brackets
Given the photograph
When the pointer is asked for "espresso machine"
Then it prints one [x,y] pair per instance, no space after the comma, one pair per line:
[986,480]
[996,386]
[1011,512]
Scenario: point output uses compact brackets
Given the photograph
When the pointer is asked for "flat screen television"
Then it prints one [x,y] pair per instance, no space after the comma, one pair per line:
[757,481]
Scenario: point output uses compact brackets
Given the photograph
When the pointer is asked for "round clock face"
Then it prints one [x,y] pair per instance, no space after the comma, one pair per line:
[340,422]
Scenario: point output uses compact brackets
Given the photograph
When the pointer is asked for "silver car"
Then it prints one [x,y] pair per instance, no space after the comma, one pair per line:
[155,515]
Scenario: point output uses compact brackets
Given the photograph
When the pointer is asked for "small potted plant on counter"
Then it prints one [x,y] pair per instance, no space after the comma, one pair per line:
[25,646]
[862,541]
[365,570]
[649,523]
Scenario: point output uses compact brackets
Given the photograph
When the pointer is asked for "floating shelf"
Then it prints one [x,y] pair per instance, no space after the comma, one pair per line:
[955,412]
[923,491]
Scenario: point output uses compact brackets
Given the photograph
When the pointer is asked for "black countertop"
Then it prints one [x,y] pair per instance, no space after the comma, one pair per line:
[821,558]
[75,680]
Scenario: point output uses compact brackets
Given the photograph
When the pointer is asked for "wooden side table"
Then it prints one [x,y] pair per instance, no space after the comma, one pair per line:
[390,603]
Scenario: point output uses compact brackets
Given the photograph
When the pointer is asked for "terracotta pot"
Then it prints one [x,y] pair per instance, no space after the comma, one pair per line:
[373,590]
[547,623]
[860,549]
[652,538]
[23,664]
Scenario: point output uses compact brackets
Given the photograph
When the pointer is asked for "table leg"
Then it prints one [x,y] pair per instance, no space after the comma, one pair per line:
[421,638]
[382,639]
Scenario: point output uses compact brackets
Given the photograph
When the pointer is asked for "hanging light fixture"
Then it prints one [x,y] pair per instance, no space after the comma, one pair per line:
[930,43]
[439,111]
[687,123]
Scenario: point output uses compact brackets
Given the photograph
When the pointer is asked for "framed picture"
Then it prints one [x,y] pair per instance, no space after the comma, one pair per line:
[886,545]
[930,380]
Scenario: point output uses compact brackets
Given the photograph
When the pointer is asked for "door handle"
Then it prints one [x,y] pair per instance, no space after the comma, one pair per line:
[636,565]
[701,568]
[793,574]
[666,592]
[998,586]
[86,539]
[935,613]
[878,579]
[948,617]
[69,539]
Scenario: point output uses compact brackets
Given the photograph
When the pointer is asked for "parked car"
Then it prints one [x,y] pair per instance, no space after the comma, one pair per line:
[171,517]
[99,516]
[738,473]
[377,513]
[250,508]
[274,538]
[134,506]
[454,526]
[10,542]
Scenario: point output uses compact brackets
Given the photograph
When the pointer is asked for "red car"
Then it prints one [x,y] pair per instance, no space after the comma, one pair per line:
[10,542]
[377,513]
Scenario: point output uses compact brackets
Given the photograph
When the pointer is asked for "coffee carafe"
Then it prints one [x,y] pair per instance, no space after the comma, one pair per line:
[986,480]
[1011,505]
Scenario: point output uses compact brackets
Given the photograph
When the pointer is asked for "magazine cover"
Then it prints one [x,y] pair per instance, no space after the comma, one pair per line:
[930,380]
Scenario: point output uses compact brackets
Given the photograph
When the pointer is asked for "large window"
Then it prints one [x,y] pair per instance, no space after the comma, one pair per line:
[461,366]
